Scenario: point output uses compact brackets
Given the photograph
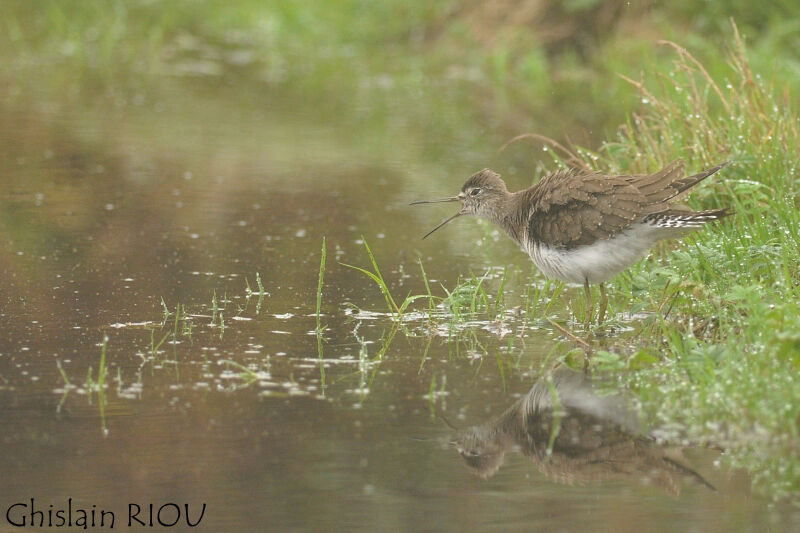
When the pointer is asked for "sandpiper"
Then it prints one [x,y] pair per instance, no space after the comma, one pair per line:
[575,434]
[583,227]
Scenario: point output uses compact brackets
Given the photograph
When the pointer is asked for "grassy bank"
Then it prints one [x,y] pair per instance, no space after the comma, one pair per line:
[719,363]
[717,359]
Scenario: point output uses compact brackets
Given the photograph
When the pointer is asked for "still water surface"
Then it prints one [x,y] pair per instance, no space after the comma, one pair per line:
[119,210]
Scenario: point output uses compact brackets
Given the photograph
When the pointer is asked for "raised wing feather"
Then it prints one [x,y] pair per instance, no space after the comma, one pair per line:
[574,208]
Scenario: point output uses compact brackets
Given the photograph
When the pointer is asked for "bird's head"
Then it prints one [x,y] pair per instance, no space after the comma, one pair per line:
[481,195]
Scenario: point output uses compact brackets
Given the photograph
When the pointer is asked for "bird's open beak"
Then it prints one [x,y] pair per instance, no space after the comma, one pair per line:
[441,200]
[448,423]
[445,221]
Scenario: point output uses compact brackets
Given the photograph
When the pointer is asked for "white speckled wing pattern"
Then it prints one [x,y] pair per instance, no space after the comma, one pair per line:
[605,258]
[690,220]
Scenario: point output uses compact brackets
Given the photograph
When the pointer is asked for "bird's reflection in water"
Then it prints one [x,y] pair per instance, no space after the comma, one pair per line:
[575,436]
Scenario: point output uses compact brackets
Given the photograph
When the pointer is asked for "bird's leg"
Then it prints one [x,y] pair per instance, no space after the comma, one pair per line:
[603,304]
[587,319]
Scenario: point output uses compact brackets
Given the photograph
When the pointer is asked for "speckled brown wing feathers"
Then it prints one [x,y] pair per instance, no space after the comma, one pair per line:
[574,208]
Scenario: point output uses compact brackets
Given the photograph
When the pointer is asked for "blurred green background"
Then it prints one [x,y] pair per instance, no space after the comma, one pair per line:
[505,65]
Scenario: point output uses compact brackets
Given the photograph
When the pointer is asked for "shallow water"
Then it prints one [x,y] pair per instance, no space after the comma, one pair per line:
[121,210]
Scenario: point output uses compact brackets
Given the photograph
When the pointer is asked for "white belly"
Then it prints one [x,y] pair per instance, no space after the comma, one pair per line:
[597,262]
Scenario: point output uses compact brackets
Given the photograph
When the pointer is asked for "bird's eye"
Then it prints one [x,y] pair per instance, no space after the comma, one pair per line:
[475,192]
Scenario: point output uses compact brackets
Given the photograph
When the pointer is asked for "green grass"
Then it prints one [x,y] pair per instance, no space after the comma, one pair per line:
[177,320]
[469,299]
[246,374]
[720,357]
[260,285]
[431,300]
[64,376]
[717,358]
[101,367]
[376,276]
[92,386]
[214,307]
[432,396]
[155,346]
[320,280]
[165,309]
[320,329]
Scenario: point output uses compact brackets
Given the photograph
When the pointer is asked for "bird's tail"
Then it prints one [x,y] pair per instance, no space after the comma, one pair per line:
[688,182]
[680,219]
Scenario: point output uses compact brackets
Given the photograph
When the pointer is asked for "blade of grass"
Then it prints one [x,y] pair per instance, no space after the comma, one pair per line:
[377,277]
[320,280]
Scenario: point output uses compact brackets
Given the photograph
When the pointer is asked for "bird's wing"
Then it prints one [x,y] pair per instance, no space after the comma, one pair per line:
[660,186]
[669,184]
[574,208]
